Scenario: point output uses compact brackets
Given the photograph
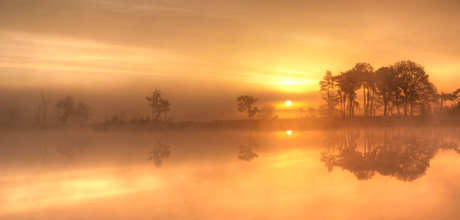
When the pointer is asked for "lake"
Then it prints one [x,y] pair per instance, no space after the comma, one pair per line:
[385,173]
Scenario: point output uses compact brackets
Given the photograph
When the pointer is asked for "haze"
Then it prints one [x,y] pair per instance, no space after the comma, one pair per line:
[145,109]
[204,54]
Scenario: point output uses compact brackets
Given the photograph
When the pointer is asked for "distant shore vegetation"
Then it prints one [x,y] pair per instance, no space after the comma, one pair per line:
[400,94]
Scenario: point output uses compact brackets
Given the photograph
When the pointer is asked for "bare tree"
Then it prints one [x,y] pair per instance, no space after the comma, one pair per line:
[37,115]
[45,105]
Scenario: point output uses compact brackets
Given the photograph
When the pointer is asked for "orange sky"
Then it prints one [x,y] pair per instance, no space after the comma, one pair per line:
[204,54]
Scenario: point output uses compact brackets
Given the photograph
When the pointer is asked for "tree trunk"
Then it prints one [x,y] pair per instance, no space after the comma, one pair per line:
[385,106]
[411,108]
[405,106]
[372,104]
[364,90]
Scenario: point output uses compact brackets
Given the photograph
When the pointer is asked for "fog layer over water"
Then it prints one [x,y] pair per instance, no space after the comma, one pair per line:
[334,174]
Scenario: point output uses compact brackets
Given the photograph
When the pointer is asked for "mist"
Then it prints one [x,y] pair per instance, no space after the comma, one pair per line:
[116,109]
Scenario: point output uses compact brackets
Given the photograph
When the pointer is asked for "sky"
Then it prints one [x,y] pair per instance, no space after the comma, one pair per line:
[202,55]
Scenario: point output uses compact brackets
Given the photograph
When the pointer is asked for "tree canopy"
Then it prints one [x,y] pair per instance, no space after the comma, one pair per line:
[158,105]
[68,112]
[403,85]
[245,104]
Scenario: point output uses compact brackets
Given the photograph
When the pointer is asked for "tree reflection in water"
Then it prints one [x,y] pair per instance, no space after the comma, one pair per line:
[402,154]
[246,152]
[161,150]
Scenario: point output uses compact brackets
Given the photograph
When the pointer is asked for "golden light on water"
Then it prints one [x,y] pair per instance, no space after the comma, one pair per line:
[288,102]
[289,132]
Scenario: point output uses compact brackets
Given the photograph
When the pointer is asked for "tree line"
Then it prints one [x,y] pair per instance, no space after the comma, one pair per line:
[402,154]
[402,88]
[67,111]
[159,107]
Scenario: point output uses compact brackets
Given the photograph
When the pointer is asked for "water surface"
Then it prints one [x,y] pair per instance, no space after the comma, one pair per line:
[335,174]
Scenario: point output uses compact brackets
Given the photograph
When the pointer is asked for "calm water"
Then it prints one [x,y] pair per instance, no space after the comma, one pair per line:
[342,174]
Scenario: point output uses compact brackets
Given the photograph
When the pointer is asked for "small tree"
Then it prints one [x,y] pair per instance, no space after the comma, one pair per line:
[164,107]
[81,113]
[329,93]
[245,104]
[158,105]
[45,106]
[64,108]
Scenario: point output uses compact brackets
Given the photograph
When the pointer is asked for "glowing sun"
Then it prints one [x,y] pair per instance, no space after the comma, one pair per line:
[288,103]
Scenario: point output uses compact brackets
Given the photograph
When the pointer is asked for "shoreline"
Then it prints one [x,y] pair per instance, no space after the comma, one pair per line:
[263,125]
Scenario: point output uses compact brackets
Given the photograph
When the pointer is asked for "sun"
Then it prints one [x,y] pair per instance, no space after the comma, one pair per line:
[289,132]
[288,102]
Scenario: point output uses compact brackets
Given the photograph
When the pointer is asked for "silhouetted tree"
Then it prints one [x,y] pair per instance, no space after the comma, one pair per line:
[329,93]
[443,97]
[45,106]
[364,72]
[402,85]
[81,113]
[64,108]
[164,107]
[245,104]
[158,105]
[414,84]
[37,115]
[456,94]
[386,85]
[348,82]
